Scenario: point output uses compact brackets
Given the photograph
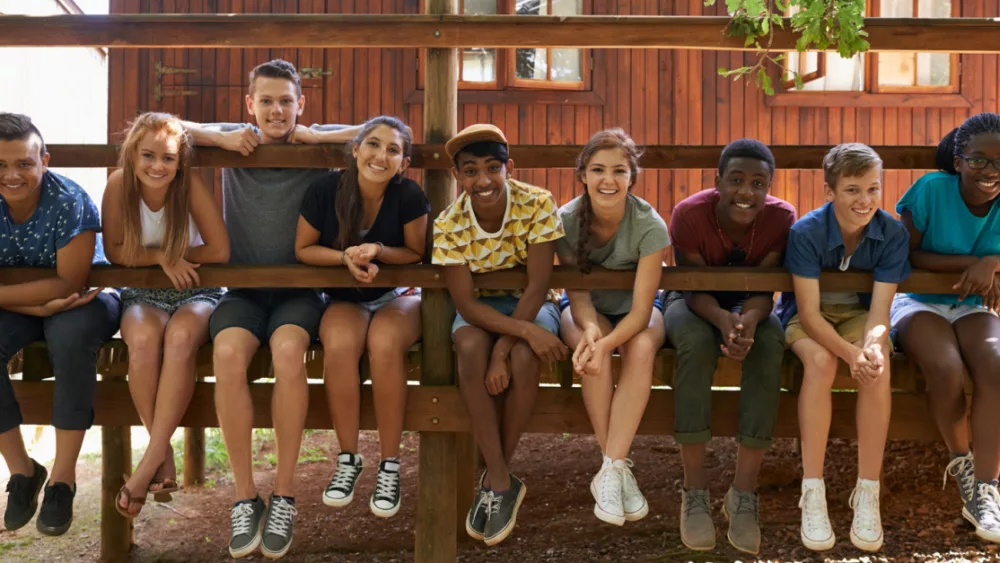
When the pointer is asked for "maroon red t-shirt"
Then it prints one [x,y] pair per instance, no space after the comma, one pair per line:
[694,229]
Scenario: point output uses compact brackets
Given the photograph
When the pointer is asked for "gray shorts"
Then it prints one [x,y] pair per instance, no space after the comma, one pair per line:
[169,299]
[547,317]
[261,312]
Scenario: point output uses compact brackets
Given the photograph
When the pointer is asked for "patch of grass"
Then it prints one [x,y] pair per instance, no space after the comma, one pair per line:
[216,457]
[310,455]
[14,544]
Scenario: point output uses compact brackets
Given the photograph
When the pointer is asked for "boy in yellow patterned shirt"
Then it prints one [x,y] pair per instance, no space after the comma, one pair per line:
[501,336]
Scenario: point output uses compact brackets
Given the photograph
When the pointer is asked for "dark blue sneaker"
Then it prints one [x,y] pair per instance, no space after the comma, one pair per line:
[22,497]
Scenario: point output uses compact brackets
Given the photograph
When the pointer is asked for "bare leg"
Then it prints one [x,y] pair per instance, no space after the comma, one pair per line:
[473,346]
[519,398]
[395,327]
[598,389]
[343,331]
[634,386]
[290,401]
[815,404]
[873,414]
[233,349]
[979,336]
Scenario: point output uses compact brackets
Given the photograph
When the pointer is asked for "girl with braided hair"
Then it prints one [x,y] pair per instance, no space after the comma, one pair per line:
[608,226]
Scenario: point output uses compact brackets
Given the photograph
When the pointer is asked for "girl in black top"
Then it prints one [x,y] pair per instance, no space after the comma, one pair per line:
[358,218]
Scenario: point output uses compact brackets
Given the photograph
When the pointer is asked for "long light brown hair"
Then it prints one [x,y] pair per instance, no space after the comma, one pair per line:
[615,138]
[177,206]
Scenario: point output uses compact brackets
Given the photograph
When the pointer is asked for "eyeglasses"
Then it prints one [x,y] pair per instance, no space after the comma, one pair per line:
[979,163]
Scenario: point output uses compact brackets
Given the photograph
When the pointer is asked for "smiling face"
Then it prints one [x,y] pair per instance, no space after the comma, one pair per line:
[22,165]
[856,198]
[743,188]
[484,179]
[276,105]
[980,186]
[157,159]
[380,155]
[608,178]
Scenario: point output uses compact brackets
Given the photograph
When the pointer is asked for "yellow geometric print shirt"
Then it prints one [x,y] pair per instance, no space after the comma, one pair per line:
[531,218]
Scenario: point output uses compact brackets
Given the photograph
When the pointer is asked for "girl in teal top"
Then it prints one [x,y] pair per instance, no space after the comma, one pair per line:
[954,223]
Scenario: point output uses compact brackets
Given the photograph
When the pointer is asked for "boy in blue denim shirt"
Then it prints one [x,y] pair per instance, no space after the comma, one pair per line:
[849,232]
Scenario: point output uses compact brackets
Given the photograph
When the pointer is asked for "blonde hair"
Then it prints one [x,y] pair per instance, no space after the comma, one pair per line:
[177,207]
[848,160]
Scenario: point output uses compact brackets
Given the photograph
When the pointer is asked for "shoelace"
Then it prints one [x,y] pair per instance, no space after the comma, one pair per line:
[242,519]
[631,487]
[696,503]
[386,485]
[279,521]
[609,490]
[480,501]
[988,506]
[746,504]
[343,478]
[493,502]
[61,497]
[867,517]
[963,468]
[813,505]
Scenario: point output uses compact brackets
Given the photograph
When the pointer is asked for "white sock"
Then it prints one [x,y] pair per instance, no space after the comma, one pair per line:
[868,482]
[811,483]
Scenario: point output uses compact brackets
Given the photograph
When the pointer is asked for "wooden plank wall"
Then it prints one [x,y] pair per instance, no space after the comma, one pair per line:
[659,97]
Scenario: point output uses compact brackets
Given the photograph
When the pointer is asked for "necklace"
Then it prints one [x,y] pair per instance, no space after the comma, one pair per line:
[736,254]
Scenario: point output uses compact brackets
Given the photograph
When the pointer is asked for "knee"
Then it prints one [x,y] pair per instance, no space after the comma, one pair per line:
[144,344]
[471,343]
[180,341]
[288,354]
[769,336]
[693,336]
[386,344]
[230,360]
[643,347]
[944,374]
[524,364]
[820,366]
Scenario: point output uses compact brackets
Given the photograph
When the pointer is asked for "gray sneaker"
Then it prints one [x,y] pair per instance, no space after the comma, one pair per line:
[501,511]
[963,469]
[744,528]
[247,521]
[697,528]
[475,520]
[278,528]
[983,510]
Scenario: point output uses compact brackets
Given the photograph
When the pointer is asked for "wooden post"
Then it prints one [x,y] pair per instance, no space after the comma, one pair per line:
[116,531]
[437,511]
[194,455]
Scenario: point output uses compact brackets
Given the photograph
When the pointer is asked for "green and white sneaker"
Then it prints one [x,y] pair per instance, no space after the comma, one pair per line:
[278,529]
[247,522]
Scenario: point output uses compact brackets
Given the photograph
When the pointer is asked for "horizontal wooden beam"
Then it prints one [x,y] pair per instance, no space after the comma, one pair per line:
[806,157]
[421,275]
[967,35]
[440,409]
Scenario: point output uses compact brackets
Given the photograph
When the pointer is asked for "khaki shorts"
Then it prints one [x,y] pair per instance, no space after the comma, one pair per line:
[849,320]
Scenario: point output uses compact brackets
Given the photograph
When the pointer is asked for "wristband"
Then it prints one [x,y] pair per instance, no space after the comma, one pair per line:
[381,249]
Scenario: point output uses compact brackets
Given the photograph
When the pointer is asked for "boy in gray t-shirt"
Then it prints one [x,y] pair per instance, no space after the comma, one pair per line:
[261,207]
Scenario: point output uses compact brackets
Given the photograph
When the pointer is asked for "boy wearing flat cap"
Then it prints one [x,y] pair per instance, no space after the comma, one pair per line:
[501,336]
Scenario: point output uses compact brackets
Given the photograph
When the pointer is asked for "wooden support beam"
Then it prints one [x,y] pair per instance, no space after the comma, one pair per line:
[958,35]
[116,464]
[439,410]
[438,495]
[432,156]
[429,278]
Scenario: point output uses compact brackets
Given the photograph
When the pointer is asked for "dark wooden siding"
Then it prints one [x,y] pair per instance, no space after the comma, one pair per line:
[659,97]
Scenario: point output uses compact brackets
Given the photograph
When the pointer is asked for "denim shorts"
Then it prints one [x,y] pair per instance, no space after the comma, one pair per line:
[616,318]
[375,304]
[547,317]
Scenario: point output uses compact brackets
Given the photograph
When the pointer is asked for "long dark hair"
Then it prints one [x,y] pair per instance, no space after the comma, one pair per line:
[615,138]
[348,205]
[954,143]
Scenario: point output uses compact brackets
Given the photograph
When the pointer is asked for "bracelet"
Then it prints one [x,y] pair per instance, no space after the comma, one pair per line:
[381,249]
[342,258]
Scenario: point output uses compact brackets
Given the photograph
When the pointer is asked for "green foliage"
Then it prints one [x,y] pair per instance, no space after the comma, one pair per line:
[819,23]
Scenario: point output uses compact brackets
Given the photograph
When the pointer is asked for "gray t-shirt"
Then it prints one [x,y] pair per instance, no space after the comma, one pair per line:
[642,232]
[261,206]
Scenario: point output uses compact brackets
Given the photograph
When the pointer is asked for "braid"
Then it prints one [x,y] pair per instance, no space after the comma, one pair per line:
[583,242]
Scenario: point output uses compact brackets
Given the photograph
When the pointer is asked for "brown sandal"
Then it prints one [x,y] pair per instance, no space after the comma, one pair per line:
[129,501]
[163,494]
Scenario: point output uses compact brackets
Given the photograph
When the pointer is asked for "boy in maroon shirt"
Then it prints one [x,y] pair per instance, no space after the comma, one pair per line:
[735,224]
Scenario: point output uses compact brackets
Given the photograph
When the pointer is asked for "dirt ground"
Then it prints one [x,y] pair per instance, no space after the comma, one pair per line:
[922,522]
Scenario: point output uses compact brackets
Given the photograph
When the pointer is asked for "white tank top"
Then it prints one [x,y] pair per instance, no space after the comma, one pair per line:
[153,228]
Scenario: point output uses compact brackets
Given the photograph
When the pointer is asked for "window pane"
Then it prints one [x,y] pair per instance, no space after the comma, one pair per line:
[567,7]
[479,7]
[842,75]
[567,65]
[897,69]
[532,8]
[479,65]
[897,8]
[934,9]
[933,69]
[531,64]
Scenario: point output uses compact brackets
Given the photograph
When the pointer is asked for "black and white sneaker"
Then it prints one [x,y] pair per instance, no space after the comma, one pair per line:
[247,522]
[340,491]
[501,511]
[387,497]
[475,520]
[279,527]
